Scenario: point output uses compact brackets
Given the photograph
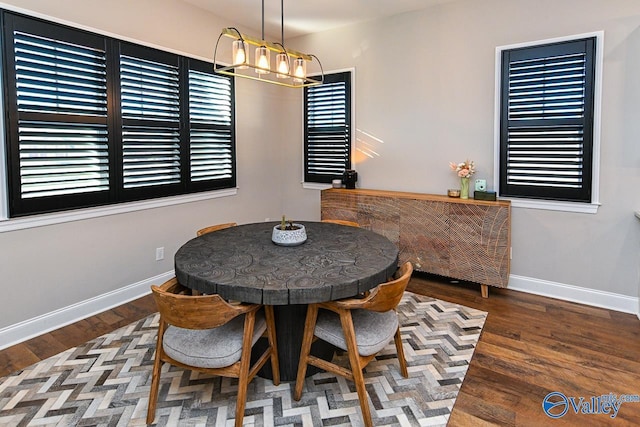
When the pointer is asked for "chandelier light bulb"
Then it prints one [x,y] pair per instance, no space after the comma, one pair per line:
[299,70]
[263,60]
[240,54]
[282,65]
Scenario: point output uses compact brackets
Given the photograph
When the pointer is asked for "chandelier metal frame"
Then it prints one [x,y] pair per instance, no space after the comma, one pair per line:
[294,74]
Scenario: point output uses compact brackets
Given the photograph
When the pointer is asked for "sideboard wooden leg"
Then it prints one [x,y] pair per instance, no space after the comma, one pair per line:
[484,290]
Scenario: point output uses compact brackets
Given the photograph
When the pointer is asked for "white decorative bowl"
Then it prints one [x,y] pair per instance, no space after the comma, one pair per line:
[289,237]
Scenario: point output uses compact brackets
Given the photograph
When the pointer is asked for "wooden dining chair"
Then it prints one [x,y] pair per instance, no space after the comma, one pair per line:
[342,222]
[216,227]
[211,229]
[207,334]
[361,327]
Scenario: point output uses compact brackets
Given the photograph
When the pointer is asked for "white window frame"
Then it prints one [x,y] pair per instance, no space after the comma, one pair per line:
[592,207]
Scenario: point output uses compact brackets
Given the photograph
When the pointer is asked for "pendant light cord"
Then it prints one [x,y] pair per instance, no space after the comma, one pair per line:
[281,21]
[262,19]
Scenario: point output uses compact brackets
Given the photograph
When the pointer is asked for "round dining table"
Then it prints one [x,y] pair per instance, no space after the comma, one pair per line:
[242,263]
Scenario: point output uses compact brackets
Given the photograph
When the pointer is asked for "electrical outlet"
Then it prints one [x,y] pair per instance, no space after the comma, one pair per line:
[481,185]
[160,254]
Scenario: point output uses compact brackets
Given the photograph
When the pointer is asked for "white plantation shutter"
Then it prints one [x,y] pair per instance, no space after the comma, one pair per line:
[328,128]
[546,125]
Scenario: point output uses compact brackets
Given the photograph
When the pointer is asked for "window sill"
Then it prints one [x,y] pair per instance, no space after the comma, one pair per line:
[588,208]
[315,186]
[77,215]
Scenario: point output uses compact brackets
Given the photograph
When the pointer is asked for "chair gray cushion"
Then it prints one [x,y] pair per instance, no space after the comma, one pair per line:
[210,348]
[373,330]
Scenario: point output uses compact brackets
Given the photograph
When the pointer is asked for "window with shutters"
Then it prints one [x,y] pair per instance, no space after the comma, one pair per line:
[547,105]
[327,130]
[211,116]
[93,121]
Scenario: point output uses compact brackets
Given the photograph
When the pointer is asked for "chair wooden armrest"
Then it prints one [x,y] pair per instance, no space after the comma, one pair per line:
[216,227]
[199,312]
[351,303]
[383,297]
[342,222]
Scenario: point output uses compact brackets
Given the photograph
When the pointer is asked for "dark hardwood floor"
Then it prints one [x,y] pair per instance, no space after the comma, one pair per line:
[34,350]
[530,346]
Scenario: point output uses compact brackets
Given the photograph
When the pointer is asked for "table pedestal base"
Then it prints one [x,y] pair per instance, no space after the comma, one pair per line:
[289,331]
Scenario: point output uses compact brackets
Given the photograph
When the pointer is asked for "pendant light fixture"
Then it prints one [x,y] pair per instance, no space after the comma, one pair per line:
[282,59]
[263,55]
[290,68]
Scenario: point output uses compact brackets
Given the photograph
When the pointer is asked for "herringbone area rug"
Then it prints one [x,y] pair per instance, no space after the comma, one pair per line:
[106,381]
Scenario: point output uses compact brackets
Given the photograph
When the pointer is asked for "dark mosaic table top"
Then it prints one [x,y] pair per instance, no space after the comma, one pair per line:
[242,263]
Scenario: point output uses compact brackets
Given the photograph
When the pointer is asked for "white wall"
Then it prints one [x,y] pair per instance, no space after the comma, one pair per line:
[425,90]
[424,97]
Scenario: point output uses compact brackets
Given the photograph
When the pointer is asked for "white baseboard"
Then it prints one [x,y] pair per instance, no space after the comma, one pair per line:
[30,328]
[596,298]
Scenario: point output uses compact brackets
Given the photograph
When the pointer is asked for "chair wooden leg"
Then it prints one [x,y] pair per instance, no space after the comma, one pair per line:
[155,377]
[363,396]
[245,364]
[153,394]
[271,334]
[241,401]
[356,366]
[307,339]
[400,353]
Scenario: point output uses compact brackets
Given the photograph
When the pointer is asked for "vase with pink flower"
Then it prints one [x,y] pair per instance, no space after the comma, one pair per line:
[465,171]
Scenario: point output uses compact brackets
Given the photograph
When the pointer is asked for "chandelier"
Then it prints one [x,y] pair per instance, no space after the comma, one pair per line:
[289,68]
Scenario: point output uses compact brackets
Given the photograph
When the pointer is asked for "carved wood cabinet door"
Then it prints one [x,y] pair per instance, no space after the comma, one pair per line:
[462,239]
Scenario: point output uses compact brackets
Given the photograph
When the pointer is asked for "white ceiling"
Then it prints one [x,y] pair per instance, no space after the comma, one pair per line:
[307,16]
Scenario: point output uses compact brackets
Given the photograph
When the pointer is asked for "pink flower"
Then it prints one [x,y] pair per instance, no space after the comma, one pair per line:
[465,169]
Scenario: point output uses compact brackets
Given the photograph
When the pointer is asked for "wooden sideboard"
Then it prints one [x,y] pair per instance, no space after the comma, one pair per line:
[463,239]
